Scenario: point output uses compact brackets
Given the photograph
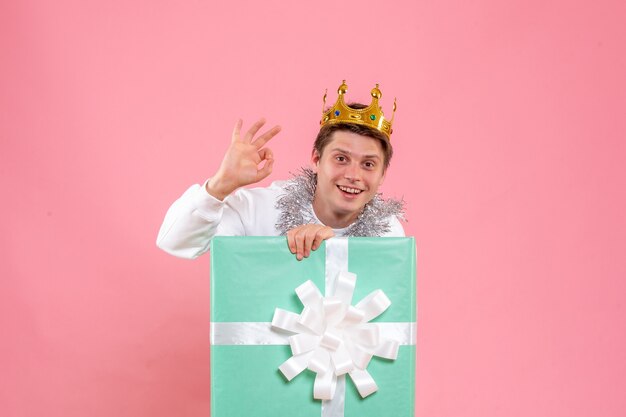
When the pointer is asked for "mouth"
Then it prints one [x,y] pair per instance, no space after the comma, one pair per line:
[349,191]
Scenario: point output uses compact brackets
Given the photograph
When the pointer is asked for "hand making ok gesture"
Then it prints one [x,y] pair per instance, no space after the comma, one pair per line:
[241,165]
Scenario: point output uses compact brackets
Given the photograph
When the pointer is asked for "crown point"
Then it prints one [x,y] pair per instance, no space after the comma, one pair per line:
[376,92]
[343,88]
[324,100]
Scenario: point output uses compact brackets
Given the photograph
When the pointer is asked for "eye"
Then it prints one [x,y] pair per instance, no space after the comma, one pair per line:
[340,158]
[369,164]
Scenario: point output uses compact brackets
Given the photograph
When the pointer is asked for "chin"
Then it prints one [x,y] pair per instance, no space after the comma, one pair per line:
[350,208]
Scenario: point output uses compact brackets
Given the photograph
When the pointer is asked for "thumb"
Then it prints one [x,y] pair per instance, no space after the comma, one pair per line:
[266,170]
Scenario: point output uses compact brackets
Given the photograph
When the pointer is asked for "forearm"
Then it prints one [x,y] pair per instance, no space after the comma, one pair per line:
[190,224]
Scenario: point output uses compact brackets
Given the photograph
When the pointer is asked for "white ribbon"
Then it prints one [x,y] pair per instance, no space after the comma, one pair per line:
[261,333]
[333,338]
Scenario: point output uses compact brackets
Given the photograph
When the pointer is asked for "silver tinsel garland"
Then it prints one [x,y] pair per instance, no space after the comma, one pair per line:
[296,209]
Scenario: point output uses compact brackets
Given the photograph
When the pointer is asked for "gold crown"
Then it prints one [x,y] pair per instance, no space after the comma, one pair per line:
[371,115]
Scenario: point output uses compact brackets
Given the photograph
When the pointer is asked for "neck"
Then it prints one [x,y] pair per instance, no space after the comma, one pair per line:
[330,218]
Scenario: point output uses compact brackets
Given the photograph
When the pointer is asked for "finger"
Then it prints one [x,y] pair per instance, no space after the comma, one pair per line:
[291,241]
[252,131]
[309,238]
[266,170]
[317,241]
[265,137]
[237,131]
[299,239]
[328,233]
[266,154]
[323,234]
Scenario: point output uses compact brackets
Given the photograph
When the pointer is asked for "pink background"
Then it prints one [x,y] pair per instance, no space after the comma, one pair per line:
[509,152]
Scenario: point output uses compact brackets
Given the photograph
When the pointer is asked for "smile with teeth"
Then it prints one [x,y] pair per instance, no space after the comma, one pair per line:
[349,190]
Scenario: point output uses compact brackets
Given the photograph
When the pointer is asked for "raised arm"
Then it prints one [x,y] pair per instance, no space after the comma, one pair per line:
[201,213]
[241,165]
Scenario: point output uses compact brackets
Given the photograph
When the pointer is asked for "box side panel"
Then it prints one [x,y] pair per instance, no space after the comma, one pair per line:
[252,370]
[387,264]
[396,388]
[251,276]
[245,381]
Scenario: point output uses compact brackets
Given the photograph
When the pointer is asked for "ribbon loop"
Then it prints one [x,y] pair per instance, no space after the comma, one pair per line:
[294,365]
[324,386]
[360,357]
[373,305]
[342,361]
[312,319]
[331,340]
[334,310]
[286,320]
[334,338]
[387,349]
[352,317]
[365,334]
[309,294]
[344,288]
[364,382]
[303,342]
[320,361]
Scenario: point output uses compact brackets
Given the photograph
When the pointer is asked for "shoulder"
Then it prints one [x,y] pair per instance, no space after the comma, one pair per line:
[273,191]
[395,228]
[249,199]
[256,208]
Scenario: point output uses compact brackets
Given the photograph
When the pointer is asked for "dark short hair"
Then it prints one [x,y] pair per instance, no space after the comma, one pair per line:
[325,135]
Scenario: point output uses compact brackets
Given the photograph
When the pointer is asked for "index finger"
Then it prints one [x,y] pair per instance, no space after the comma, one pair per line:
[252,131]
[236,131]
[265,137]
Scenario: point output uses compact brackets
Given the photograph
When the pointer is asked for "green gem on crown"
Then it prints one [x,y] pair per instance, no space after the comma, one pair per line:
[373,116]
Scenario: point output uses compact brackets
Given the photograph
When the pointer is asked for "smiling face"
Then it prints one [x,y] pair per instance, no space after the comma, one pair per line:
[349,172]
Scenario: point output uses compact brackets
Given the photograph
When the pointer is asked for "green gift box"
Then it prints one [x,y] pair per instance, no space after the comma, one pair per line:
[253,276]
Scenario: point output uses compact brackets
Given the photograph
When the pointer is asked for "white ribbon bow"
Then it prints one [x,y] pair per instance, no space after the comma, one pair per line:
[333,337]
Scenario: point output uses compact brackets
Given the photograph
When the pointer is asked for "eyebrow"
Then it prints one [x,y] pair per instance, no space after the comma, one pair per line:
[373,156]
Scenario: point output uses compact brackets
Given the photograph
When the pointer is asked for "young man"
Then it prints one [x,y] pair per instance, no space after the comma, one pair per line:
[336,197]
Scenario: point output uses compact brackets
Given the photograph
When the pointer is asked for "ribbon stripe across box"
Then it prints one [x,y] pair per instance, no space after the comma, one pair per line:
[251,277]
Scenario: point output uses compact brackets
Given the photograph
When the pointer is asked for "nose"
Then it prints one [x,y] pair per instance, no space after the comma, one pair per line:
[352,172]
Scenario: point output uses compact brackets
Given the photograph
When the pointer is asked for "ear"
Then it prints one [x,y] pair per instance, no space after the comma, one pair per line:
[315,160]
